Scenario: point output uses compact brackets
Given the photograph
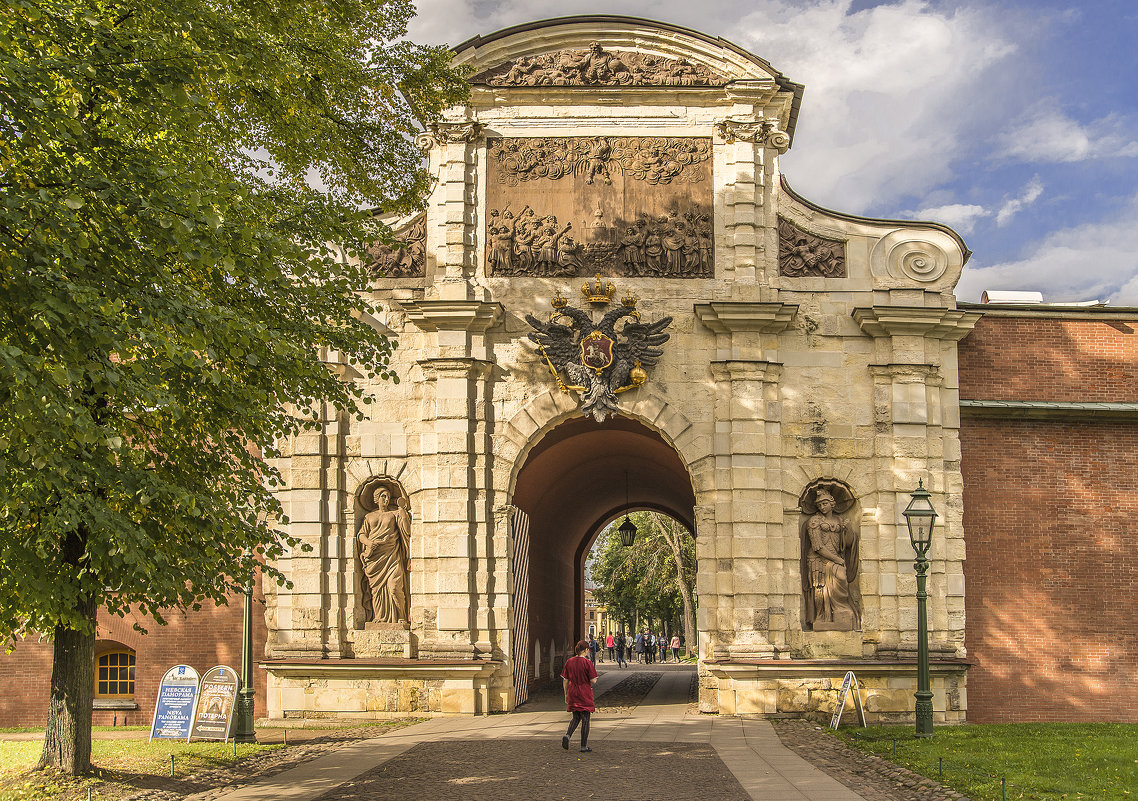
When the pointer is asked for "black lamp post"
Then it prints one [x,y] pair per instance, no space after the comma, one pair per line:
[919,517]
[245,732]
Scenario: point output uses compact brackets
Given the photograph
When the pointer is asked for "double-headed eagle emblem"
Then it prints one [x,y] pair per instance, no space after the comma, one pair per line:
[598,360]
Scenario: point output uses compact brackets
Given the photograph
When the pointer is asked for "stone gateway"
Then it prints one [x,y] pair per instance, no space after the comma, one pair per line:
[776,376]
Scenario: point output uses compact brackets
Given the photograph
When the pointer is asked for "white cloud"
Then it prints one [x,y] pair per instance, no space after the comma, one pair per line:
[1085,262]
[960,216]
[1013,206]
[1050,136]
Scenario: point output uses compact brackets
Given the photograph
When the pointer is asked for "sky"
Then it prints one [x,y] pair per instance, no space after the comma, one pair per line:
[1016,123]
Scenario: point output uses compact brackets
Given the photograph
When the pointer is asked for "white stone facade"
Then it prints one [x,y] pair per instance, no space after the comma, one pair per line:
[767,384]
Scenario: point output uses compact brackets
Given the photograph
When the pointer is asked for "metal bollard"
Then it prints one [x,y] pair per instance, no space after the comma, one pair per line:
[1004,787]
[940,767]
[171,766]
[286,737]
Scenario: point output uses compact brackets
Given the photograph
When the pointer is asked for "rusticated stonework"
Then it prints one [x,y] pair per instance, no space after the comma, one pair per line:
[599,67]
[803,254]
[632,206]
[406,257]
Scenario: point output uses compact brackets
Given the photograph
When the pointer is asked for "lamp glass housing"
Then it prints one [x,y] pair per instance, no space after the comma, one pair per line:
[919,517]
[627,531]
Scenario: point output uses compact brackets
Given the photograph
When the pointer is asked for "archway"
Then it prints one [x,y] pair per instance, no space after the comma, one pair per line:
[571,484]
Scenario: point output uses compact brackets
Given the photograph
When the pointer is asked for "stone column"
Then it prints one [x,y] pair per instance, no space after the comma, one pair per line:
[461,567]
[916,399]
[749,552]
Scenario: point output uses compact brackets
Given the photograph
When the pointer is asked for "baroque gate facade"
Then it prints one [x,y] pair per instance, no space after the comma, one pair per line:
[776,375]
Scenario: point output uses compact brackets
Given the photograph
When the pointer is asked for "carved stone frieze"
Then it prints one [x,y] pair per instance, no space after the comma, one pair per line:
[443,133]
[761,132]
[633,206]
[599,67]
[406,256]
[803,254]
[654,159]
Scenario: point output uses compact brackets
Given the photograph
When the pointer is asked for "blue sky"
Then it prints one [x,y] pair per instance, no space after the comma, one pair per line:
[1014,122]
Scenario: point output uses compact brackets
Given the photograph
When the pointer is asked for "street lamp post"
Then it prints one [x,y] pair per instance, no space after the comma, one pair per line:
[245,732]
[919,517]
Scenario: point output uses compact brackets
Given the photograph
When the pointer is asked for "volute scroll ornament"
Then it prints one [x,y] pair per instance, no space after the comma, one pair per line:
[761,132]
[598,360]
[444,133]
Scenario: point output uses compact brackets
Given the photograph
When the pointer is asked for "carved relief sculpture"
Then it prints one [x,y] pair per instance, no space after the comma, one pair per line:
[598,359]
[830,543]
[802,254]
[635,206]
[406,256]
[761,132]
[599,67]
[383,549]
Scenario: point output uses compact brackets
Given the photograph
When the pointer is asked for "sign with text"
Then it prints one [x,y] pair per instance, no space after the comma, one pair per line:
[851,680]
[174,709]
[214,714]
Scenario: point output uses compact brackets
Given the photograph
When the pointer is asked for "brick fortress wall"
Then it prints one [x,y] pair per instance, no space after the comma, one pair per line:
[202,639]
[1050,506]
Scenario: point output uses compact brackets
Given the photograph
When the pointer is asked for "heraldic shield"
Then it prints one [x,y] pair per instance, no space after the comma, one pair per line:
[596,351]
[599,360]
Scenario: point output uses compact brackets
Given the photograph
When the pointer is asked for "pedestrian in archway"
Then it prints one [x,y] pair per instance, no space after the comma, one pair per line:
[640,647]
[577,679]
[593,648]
[675,647]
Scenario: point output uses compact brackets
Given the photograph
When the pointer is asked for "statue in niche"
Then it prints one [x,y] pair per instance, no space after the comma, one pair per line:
[830,541]
[383,547]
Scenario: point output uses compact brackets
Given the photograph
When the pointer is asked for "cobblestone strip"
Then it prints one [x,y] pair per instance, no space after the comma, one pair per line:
[254,768]
[626,695]
[871,776]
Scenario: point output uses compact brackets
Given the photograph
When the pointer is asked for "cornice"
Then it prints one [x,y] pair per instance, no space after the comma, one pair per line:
[915,321]
[452,315]
[727,317]
[1049,410]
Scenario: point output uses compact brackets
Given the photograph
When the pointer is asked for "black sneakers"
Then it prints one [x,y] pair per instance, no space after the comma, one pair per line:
[565,742]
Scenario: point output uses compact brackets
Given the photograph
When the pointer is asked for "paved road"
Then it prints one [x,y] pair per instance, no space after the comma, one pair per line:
[660,751]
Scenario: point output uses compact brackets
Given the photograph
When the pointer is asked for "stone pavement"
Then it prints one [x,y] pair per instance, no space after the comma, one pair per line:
[660,750]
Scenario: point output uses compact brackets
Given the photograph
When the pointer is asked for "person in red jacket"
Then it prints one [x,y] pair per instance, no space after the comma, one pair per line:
[577,679]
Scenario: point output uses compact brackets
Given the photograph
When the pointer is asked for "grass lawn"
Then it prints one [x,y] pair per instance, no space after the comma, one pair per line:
[1040,761]
[123,767]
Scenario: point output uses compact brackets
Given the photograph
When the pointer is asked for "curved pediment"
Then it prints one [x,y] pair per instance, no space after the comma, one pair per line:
[616,52]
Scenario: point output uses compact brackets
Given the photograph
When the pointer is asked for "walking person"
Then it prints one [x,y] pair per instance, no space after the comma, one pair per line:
[663,642]
[675,647]
[610,642]
[577,679]
[618,645]
[593,648]
[639,647]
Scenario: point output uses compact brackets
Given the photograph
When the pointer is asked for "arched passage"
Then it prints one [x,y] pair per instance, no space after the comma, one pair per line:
[573,482]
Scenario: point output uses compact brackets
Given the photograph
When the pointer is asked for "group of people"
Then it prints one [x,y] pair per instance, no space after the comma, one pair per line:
[648,648]
[530,245]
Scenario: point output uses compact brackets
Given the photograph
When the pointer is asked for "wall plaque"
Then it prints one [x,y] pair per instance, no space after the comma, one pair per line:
[599,67]
[802,254]
[405,257]
[576,206]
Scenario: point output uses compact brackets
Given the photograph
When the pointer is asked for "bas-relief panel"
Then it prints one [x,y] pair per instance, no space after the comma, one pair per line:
[576,206]
[599,67]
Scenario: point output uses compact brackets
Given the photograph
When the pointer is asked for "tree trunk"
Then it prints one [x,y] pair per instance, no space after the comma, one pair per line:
[67,740]
[673,539]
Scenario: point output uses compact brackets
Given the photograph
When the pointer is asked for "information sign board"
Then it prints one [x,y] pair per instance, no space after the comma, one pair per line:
[174,709]
[843,694]
[214,714]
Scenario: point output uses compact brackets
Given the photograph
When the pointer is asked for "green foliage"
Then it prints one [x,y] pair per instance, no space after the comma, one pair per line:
[641,579]
[168,299]
[1040,761]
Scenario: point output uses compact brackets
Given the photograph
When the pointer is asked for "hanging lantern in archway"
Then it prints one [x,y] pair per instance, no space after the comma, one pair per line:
[627,531]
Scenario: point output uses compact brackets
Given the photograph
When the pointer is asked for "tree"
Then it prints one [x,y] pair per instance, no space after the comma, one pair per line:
[168,290]
[653,578]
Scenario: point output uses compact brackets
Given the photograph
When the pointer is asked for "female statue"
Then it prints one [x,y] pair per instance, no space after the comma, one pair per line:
[831,566]
[383,541]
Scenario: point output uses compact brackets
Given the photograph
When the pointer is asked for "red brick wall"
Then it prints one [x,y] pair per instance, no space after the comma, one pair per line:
[1028,358]
[1051,525]
[200,639]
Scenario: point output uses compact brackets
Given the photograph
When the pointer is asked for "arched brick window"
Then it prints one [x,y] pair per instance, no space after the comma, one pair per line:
[114,674]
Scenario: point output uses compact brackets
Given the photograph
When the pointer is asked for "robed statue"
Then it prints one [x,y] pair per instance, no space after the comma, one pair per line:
[830,540]
[384,552]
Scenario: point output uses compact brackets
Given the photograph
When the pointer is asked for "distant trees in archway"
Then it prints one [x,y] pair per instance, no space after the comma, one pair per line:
[653,579]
